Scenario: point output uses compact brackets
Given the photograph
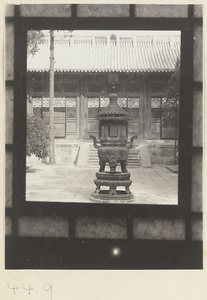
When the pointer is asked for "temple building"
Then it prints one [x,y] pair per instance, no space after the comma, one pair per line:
[88,67]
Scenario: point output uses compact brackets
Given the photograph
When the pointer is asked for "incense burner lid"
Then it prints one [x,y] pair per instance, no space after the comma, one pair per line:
[113,111]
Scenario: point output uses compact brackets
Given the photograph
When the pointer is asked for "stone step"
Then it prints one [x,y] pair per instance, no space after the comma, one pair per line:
[131,155]
[133,160]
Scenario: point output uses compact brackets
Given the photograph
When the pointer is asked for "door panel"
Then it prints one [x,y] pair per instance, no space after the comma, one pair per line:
[93,110]
[71,117]
[59,123]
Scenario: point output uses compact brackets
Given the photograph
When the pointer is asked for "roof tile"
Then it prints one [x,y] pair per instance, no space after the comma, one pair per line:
[99,57]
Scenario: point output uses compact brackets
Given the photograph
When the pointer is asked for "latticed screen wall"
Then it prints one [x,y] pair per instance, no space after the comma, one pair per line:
[93,107]
[55,235]
[71,107]
[155,107]
[129,104]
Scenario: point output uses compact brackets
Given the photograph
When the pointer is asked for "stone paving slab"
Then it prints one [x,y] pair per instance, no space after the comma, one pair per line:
[69,183]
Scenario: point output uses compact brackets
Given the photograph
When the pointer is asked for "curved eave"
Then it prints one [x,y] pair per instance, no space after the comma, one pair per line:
[101,71]
[117,118]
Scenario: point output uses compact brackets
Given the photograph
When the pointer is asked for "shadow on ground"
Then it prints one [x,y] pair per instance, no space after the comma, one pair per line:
[30,169]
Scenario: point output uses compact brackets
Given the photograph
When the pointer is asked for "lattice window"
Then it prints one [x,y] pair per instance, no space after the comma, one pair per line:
[122,102]
[36,102]
[166,103]
[93,107]
[71,107]
[45,102]
[133,107]
[59,102]
[155,102]
[133,102]
[129,104]
[155,107]
[93,102]
[104,102]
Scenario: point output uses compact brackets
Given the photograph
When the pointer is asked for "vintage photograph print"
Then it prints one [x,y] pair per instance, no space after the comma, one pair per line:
[103,136]
[115,109]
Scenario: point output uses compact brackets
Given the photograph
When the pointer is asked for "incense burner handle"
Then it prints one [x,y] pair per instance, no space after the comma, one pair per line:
[131,141]
[94,141]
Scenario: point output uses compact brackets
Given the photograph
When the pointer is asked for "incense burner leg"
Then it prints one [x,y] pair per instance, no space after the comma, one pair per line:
[127,190]
[124,166]
[112,164]
[98,188]
[112,191]
[102,165]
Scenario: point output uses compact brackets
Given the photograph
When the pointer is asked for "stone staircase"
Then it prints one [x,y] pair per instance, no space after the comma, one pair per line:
[133,160]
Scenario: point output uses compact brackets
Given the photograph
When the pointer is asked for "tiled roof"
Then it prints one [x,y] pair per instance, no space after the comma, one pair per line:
[125,56]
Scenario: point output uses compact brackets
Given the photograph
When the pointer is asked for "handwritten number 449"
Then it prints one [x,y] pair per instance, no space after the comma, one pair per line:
[47,288]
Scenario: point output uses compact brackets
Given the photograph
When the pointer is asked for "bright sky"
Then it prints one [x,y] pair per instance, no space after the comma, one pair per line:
[124,32]
[120,32]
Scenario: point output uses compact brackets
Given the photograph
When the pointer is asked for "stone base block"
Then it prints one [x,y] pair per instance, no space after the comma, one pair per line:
[104,197]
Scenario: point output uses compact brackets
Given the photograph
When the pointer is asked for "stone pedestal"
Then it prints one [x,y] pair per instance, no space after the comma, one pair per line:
[112,180]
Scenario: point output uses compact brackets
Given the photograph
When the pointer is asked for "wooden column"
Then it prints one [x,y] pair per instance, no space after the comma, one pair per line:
[51,110]
[146,113]
[141,111]
[82,112]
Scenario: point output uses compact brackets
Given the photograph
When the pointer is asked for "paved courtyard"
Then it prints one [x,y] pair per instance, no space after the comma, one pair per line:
[68,183]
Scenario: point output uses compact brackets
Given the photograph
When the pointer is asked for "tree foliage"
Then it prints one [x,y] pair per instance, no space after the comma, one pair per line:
[37,137]
[34,39]
[170,105]
[173,87]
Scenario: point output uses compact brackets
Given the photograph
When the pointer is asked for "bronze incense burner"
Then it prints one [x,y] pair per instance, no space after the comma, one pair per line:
[113,149]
